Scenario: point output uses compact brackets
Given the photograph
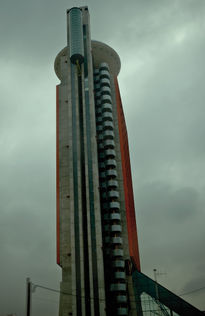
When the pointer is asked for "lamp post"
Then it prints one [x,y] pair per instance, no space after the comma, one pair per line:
[157,291]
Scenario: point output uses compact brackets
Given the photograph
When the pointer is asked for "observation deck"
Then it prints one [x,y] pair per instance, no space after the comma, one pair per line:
[102,53]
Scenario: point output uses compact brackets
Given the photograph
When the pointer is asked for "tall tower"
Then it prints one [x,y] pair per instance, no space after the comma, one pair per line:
[97,245]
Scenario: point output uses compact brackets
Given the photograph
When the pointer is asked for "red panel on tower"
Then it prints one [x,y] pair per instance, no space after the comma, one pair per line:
[57,181]
[127,180]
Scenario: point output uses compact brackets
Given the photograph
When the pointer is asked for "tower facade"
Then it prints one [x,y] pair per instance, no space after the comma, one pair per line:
[97,245]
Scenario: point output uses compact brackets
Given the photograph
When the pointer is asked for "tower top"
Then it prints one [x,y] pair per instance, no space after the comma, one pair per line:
[104,53]
[101,53]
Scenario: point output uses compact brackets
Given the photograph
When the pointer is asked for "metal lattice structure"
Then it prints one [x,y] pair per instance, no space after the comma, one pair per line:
[161,302]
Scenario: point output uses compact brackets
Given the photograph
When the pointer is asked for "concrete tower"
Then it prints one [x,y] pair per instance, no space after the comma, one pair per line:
[97,245]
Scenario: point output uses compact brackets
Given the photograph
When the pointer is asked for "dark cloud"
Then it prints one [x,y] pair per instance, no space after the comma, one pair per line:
[161,46]
[170,224]
[164,202]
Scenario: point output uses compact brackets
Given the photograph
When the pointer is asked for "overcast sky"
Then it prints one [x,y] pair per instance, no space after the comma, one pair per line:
[162,48]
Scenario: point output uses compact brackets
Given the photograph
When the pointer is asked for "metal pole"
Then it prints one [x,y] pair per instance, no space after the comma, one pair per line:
[28,297]
[157,291]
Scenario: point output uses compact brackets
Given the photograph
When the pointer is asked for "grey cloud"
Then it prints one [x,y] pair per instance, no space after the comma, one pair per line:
[170,225]
[166,119]
[194,284]
[161,46]
[164,202]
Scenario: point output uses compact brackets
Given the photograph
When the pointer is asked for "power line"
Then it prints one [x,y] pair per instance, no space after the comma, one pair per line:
[34,286]
[196,290]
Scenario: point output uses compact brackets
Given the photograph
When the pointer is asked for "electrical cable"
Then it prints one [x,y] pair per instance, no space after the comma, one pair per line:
[58,291]
[93,298]
[196,290]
